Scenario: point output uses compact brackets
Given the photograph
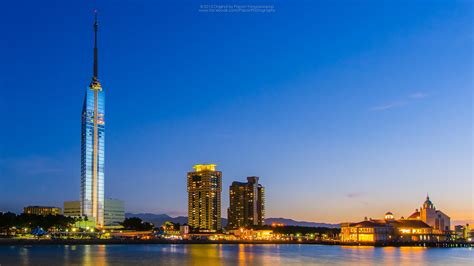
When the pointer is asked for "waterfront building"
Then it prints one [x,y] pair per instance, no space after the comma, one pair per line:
[114,213]
[366,231]
[463,231]
[426,224]
[254,234]
[247,204]
[170,230]
[92,146]
[72,208]
[390,229]
[386,230]
[204,198]
[42,210]
[85,224]
[184,230]
[433,217]
[413,231]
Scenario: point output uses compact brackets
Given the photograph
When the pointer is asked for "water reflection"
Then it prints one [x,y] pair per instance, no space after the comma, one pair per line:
[101,258]
[243,254]
[24,256]
[208,254]
[92,255]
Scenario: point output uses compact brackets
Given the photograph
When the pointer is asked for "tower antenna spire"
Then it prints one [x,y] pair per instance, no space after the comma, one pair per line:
[96,59]
[95,84]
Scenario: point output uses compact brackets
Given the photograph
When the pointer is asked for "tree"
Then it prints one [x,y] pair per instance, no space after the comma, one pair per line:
[170,226]
[135,223]
[24,220]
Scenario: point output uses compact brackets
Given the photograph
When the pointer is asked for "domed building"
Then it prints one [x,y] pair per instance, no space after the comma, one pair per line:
[430,215]
[389,216]
[387,230]
[425,225]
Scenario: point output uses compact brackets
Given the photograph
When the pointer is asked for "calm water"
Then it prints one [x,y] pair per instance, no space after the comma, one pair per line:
[231,255]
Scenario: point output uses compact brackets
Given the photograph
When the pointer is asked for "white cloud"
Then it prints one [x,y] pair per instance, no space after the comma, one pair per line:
[418,95]
[412,97]
[388,106]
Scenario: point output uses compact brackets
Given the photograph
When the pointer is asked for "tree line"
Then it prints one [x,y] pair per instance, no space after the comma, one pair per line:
[9,220]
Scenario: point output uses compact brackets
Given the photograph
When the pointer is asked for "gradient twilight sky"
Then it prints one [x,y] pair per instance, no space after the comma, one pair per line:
[345,109]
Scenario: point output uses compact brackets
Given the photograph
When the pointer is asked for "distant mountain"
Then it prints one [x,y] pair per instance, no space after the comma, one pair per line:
[147,216]
[159,219]
[299,223]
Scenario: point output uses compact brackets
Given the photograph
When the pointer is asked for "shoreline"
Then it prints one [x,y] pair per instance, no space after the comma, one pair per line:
[34,242]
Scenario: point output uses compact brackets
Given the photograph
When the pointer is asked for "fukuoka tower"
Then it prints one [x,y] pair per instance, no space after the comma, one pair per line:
[92,145]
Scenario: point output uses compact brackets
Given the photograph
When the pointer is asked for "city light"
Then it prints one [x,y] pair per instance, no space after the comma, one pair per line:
[237,133]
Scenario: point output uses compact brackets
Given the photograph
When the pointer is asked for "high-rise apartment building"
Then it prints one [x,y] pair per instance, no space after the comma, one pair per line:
[92,146]
[204,198]
[247,204]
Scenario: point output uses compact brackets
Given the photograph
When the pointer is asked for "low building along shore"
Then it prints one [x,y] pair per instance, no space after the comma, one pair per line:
[424,225]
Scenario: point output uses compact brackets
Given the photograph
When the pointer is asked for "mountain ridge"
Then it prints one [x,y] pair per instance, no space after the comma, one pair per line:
[158,219]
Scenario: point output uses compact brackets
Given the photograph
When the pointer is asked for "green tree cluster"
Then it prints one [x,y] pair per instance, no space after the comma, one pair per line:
[135,223]
[9,220]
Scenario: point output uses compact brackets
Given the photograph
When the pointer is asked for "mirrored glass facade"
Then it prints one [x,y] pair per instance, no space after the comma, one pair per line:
[92,155]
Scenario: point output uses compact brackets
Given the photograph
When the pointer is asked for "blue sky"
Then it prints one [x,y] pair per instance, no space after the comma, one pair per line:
[345,109]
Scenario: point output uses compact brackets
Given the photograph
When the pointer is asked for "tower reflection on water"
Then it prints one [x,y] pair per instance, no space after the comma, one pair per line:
[231,254]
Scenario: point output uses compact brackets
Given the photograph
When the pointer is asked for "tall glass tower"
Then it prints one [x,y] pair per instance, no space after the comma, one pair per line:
[92,146]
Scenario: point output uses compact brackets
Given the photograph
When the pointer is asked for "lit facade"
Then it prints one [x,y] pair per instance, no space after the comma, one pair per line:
[251,234]
[92,147]
[184,230]
[366,231]
[247,204]
[464,232]
[42,210]
[114,212]
[204,198]
[387,230]
[425,225]
[433,217]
